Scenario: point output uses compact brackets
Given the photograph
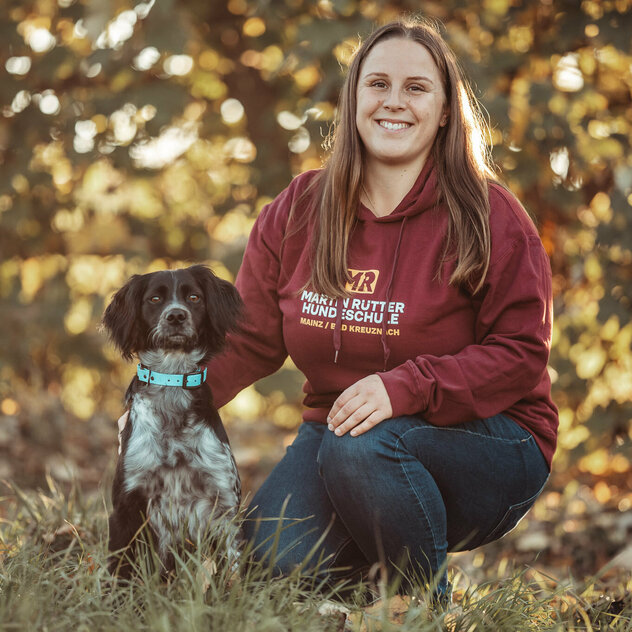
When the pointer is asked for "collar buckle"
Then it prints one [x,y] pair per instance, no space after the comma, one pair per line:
[199,377]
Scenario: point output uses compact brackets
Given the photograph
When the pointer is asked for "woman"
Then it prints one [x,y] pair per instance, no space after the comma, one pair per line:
[415,295]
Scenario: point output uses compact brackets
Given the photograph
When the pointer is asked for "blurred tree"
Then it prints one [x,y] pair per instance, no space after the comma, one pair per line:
[138,136]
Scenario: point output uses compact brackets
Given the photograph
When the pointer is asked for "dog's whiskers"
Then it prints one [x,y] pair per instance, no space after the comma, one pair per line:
[159,338]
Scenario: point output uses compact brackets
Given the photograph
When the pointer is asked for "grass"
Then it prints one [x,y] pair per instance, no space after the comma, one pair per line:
[53,577]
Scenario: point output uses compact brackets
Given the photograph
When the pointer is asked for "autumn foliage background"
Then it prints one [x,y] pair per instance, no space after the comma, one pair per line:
[140,136]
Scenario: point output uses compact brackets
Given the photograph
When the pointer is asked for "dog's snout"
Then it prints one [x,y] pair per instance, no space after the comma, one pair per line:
[176,316]
[175,328]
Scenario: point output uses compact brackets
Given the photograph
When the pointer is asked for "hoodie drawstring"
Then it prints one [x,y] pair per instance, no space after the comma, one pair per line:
[338,330]
[385,348]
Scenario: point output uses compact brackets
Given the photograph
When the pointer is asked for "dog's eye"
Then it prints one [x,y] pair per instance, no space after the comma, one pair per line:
[194,298]
[155,299]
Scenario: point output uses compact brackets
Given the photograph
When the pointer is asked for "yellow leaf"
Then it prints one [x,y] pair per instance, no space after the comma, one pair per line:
[307,78]
[254,27]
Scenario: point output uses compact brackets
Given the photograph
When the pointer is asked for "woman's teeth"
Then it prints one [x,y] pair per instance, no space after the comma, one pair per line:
[394,126]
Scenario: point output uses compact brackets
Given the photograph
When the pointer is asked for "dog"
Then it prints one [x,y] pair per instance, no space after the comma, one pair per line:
[176,472]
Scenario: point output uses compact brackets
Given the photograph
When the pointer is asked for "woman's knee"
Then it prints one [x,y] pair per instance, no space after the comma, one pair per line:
[343,457]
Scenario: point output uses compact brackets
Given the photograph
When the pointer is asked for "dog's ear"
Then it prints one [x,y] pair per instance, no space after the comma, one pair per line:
[223,305]
[122,318]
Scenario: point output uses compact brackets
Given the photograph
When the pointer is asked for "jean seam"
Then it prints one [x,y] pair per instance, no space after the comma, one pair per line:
[491,536]
[419,499]
[476,434]
[334,560]
[338,550]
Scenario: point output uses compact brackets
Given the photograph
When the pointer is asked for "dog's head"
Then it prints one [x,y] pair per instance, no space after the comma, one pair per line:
[173,309]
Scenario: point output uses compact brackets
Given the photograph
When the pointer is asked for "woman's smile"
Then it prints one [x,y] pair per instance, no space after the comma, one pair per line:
[393,125]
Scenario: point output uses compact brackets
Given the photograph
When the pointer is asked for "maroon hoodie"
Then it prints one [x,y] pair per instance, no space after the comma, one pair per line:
[442,353]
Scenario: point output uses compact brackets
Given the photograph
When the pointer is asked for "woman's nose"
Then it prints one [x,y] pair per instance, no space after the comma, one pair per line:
[394,99]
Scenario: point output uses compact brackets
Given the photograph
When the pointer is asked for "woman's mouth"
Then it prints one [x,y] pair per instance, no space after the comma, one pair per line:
[393,125]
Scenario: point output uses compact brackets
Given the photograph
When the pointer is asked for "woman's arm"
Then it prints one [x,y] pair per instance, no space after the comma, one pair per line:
[513,324]
[257,349]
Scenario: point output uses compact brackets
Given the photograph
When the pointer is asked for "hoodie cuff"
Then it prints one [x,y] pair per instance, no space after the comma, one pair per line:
[403,390]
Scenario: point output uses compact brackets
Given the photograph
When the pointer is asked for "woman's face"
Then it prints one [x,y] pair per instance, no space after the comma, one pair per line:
[400,104]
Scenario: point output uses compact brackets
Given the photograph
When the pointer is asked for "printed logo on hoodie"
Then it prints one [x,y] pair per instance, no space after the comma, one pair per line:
[362,281]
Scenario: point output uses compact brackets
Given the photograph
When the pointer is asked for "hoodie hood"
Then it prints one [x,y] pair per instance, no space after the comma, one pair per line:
[421,197]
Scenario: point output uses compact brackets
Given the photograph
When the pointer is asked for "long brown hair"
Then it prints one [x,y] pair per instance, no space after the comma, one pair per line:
[462,162]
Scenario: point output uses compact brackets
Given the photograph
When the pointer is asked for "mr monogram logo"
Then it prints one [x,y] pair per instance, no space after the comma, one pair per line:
[362,281]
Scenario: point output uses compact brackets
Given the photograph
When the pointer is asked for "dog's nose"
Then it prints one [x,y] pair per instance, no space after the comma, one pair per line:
[176,316]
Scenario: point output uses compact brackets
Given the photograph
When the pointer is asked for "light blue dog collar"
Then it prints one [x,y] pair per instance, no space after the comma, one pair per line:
[184,380]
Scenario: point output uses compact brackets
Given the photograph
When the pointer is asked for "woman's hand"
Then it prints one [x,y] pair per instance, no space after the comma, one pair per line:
[122,420]
[360,407]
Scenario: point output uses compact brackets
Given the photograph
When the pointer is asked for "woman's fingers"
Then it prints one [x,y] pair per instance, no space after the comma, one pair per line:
[372,420]
[355,418]
[364,403]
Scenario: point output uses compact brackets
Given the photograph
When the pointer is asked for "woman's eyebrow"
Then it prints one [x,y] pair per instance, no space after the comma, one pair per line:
[413,78]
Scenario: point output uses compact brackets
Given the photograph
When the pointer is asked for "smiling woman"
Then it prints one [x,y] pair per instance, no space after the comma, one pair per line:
[413,292]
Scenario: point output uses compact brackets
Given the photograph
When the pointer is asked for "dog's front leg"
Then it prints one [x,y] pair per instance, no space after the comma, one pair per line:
[126,524]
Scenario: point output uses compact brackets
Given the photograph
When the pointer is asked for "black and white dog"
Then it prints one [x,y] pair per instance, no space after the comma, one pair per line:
[176,470]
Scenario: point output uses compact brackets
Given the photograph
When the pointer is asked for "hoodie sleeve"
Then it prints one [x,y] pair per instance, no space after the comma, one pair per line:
[513,338]
[258,348]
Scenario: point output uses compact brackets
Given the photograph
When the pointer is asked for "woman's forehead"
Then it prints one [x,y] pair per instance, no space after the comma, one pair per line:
[402,57]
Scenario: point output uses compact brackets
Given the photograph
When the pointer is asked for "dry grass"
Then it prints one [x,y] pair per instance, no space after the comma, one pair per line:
[53,577]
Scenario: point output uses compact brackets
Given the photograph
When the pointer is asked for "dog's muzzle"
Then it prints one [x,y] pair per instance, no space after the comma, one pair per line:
[175,329]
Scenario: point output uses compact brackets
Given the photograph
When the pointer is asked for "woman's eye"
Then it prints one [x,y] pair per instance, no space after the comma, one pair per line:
[155,299]
[378,84]
[194,298]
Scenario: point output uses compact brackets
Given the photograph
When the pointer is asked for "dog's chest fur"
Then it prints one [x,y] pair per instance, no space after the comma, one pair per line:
[174,457]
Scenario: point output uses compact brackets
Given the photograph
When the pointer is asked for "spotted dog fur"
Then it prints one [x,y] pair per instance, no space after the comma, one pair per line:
[176,470]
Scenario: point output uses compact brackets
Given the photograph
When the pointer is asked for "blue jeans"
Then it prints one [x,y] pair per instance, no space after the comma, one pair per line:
[403,495]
